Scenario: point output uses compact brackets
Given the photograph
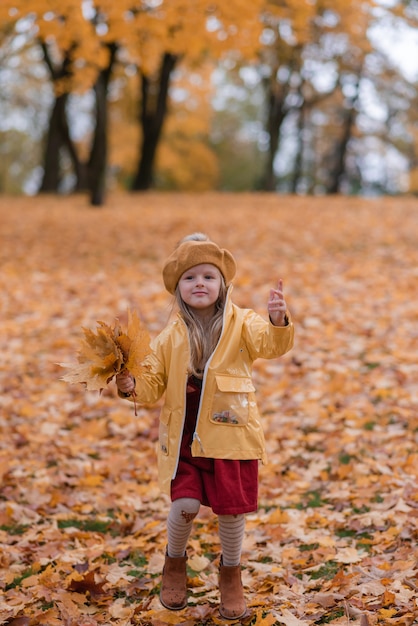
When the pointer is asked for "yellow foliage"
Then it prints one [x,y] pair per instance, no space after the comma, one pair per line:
[187,165]
[123,148]
[145,32]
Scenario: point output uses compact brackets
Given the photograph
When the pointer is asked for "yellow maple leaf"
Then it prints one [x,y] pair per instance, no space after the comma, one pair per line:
[387,613]
[92,480]
[264,619]
[139,347]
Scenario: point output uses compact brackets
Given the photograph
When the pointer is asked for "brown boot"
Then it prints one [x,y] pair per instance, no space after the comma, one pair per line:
[232,604]
[173,594]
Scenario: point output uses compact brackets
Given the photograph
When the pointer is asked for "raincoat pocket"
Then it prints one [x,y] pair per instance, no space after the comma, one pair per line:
[232,400]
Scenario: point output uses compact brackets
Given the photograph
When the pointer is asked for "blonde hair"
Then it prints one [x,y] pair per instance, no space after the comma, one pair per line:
[203,337]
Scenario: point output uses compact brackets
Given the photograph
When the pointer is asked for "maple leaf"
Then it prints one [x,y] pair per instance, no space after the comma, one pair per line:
[109,351]
[139,347]
[89,581]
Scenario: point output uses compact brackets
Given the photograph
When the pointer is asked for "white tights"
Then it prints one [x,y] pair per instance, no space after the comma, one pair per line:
[179,526]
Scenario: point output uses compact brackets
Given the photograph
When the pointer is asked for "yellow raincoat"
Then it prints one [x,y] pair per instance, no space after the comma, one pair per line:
[228,424]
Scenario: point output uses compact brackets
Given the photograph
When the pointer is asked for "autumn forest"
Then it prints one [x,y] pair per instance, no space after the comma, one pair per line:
[290,95]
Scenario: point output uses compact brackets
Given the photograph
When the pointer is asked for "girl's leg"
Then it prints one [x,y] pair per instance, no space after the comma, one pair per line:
[231,534]
[179,525]
[173,593]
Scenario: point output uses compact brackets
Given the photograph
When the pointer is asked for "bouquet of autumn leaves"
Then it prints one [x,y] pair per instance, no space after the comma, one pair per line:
[109,351]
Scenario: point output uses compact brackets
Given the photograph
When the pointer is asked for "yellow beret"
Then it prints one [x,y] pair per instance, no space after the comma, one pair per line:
[191,253]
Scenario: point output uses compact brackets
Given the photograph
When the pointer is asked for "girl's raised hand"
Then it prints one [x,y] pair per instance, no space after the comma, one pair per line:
[277,305]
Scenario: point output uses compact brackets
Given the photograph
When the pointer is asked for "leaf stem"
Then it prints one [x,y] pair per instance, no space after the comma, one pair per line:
[135,405]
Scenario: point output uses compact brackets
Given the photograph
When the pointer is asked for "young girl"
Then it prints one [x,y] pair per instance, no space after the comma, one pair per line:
[210,437]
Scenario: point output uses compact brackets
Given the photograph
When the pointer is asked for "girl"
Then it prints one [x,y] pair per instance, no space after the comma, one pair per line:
[210,436]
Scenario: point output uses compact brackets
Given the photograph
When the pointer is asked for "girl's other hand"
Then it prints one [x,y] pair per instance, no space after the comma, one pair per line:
[125,382]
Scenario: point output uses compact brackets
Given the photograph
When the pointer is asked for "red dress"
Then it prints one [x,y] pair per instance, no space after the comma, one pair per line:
[229,487]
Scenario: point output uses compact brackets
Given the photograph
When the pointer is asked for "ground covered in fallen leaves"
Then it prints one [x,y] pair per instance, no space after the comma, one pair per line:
[82,523]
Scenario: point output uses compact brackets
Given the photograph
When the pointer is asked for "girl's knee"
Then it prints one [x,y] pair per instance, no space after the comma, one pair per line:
[185,508]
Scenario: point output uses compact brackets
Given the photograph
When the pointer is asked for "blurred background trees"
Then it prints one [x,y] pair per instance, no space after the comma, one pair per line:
[295,96]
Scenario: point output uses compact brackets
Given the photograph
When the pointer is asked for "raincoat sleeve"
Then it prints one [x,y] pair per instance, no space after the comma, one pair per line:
[263,339]
[151,385]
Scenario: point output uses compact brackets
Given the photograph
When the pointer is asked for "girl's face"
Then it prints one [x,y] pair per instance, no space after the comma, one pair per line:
[199,288]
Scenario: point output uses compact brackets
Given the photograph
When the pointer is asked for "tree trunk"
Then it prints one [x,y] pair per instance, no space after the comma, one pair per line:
[54,142]
[97,164]
[153,113]
[297,169]
[98,155]
[277,111]
[276,115]
[58,134]
[340,154]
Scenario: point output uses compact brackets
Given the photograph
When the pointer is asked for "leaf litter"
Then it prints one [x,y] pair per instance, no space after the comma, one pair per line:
[82,522]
